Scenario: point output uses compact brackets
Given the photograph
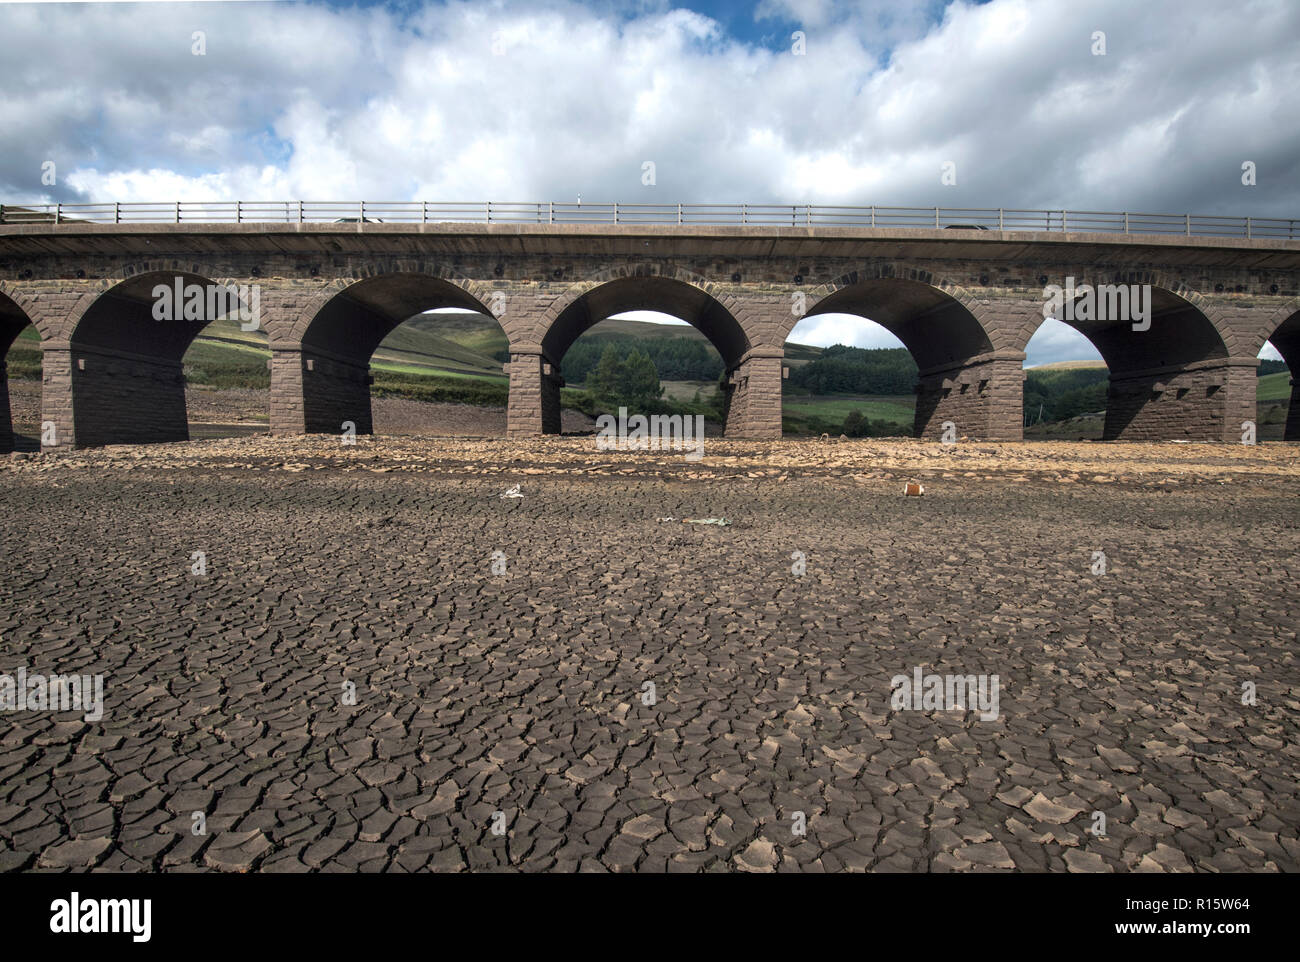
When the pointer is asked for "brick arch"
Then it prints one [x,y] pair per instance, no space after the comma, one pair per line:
[302,319]
[65,326]
[898,270]
[578,289]
[1160,280]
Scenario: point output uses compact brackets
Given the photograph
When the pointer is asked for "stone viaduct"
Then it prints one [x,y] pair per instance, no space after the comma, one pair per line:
[965,302]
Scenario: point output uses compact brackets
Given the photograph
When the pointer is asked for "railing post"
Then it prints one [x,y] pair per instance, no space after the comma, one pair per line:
[178,212]
[615,212]
[1000,218]
[744,216]
[679,214]
[117,213]
[424,212]
[550,214]
[1065,222]
[808,214]
[936,217]
[361,212]
[238,213]
[487,213]
[1247,228]
[299,212]
[1187,220]
[873,215]
[58,209]
[1126,230]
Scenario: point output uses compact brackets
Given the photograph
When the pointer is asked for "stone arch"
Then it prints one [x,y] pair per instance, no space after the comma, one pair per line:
[1283,331]
[65,327]
[1271,325]
[477,291]
[116,375]
[28,305]
[964,372]
[15,316]
[889,270]
[736,330]
[320,375]
[1123,348]
[106,316]
[720,317]
[1180,376]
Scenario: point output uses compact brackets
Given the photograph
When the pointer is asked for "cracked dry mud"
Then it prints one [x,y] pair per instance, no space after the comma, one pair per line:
[522,693]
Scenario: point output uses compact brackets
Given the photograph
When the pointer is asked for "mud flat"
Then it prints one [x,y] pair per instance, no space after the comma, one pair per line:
[501,649]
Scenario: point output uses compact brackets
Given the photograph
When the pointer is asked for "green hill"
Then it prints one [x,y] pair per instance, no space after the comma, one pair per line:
[1274,387]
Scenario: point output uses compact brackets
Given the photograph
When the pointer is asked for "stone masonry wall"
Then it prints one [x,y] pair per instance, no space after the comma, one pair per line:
[754,408]
[335,392]
[1201,404]
[141,399]
[982,400]
[1293,412]
[6,422]
[118,399]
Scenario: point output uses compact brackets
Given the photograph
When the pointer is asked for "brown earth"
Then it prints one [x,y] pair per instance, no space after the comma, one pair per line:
[501,653]
[238,411]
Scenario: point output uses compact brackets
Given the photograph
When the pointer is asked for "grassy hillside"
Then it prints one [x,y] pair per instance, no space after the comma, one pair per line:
[1274,387]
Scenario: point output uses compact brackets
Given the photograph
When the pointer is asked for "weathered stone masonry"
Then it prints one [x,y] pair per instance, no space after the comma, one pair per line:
[964,302]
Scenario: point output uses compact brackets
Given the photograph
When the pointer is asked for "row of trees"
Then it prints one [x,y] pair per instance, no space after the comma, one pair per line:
[673,358]
[1058,395]
[630,380]
[855,370]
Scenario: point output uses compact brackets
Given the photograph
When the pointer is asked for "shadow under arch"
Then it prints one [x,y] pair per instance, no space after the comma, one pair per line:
[1286,339]
[126,350]
[1168,363]
[13,321]
[681,298]
[957,363]
[329,367]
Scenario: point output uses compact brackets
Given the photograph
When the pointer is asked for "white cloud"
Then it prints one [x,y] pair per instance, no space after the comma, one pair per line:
[324,102]
[1057,341]
[651,317]
[414,105]
[823,330]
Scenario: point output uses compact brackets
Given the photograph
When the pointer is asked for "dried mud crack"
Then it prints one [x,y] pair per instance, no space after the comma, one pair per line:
[501,649]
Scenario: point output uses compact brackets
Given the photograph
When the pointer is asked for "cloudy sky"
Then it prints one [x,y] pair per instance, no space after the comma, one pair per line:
[548,100]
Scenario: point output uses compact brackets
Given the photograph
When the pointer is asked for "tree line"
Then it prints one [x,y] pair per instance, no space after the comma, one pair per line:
[673,358]
[888,371]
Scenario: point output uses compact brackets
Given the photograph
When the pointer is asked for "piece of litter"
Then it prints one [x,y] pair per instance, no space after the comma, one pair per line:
[666,519]
[705,521]
[513,493]
[912,488]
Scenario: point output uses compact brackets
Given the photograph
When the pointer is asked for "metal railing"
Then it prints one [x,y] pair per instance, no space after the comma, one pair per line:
[712,215]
